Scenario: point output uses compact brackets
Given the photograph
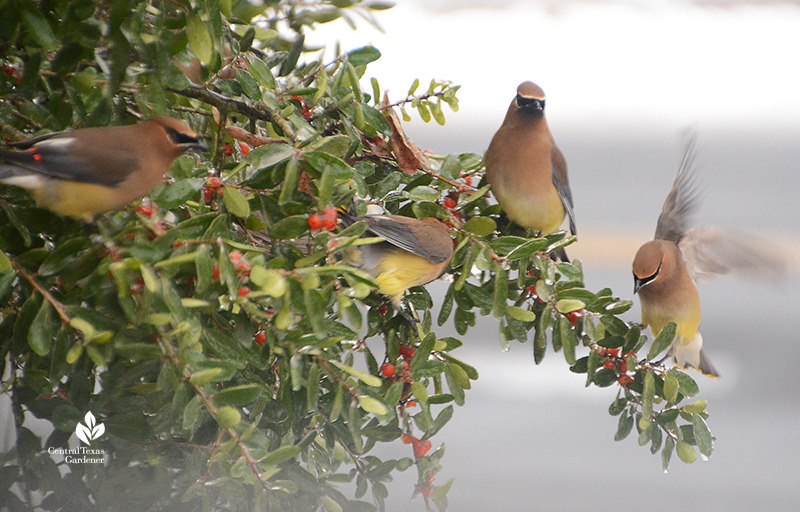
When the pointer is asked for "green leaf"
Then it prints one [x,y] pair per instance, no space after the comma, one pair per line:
[43,330]
[500,292]
[480,226]
[424,193]
[705,441]
[199,38]
[568,340]
[523,315]
[281,455]
[670,387]
[363,56]
[238,395]
[373,405]
[662,341]
[260,72]
[666,453]
[624,427]
[686,452]
[569,305]
[290,181]
[176,194]
[289,228]
[366,378]
[235,202]
[648,393]
[526,249]
[686,385]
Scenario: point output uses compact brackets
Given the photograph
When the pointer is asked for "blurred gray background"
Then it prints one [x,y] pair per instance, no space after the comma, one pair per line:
[624,81]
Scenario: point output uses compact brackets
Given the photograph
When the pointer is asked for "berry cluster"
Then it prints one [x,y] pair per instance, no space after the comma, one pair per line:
[421,448]
[325,220]
[213,187]
[617,363]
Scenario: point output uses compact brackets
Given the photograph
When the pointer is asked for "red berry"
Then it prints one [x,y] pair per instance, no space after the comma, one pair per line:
[613,352]
[422,448]
[145,210]
[387,370]
[214,182]
[243,291]
[407,351]
[609,364]
[329,218]
[228,150]
[245,148]
[624,380]
[449,203]
[411,403]
[260,338]
[573,316]
[208,194]
[407,438]
[382,309]
[405,367]
[623,366]
[315,222]
[468,181]
[215,273]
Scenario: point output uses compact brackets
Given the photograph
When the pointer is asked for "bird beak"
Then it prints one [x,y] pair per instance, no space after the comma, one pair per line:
[637,284]
[197,147]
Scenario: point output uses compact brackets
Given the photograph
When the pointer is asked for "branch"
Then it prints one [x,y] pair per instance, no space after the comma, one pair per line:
[62,311]
[251,109]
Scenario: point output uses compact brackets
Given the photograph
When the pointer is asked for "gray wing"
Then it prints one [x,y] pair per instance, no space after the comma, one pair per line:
[682,200]
[400,235]
[561,182]
[709,252]
[51,156]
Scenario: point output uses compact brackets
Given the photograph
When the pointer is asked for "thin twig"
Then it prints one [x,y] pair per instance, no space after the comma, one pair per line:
[62,311]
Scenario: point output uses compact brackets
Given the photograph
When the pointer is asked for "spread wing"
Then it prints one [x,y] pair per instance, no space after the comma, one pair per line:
[682,200]
[709,251]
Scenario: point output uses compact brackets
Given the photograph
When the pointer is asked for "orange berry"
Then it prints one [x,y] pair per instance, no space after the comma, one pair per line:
[387,370]
[609,364]
[245,148]
[407,438]
[260,338]
[449,203]
[315,222]
[407,351]
[228,150]
[624,380]
[613,352]
[422,448]
[243,291]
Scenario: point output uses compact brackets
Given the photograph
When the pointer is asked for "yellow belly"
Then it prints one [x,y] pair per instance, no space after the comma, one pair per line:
[400,270]
[78,200]
[543,212]
[687,320]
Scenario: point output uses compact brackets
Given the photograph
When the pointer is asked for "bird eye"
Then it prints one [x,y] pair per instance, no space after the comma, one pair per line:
[181,138]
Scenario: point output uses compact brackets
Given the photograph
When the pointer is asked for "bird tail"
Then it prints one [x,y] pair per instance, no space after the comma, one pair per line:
[691,354]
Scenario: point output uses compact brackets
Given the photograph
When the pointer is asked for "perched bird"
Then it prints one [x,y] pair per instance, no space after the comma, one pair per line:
[414,252]
[666,268]
[93,170]
[527,171]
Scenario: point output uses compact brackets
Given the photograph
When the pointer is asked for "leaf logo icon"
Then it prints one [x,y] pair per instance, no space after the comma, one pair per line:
[92,429]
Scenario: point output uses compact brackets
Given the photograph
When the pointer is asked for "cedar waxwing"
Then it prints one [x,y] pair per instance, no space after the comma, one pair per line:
[527,171]
[93,170]
[666,268]
[414,253]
